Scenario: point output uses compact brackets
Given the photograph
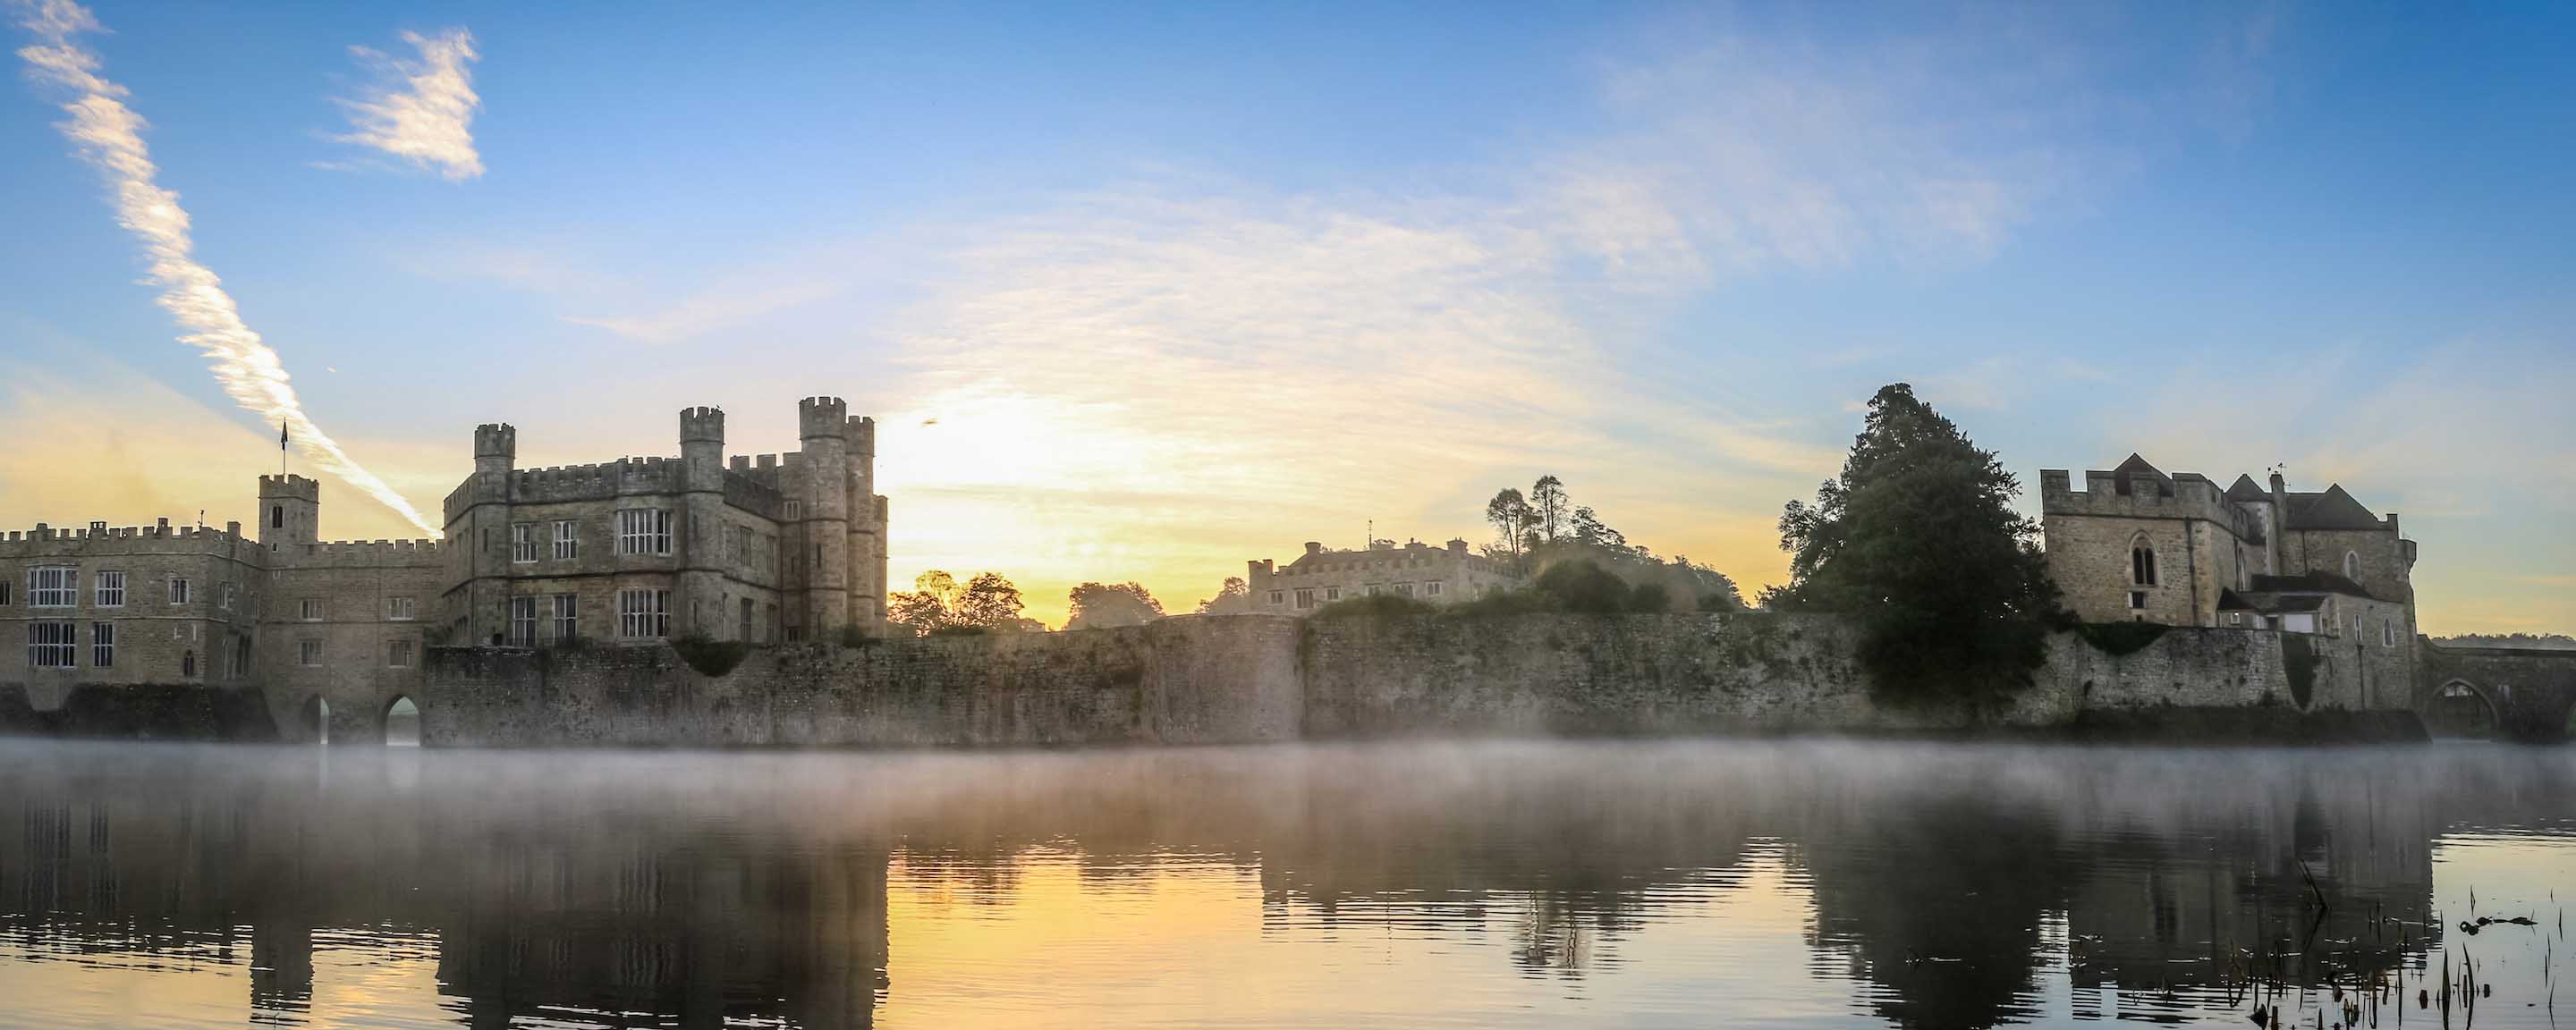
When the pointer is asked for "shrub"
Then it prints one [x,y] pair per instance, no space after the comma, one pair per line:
[1585,587]
[2119,638]
[710,657]
[1650,596]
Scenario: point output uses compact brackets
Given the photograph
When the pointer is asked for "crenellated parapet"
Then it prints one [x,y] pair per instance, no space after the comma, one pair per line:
[102,539]
[351,554]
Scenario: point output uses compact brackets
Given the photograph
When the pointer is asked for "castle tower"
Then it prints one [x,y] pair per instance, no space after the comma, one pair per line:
[290,510]
[866,577]
[700,541]
[823,425]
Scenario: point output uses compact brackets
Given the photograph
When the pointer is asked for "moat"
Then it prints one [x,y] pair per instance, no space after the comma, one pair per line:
[1671,883]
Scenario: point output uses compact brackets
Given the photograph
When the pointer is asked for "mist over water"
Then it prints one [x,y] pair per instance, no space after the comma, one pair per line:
[1681,883]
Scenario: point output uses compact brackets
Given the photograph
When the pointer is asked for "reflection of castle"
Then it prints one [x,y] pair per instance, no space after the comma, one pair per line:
[626,916]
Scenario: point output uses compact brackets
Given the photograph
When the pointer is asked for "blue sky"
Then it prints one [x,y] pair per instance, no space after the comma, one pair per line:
[1186,285]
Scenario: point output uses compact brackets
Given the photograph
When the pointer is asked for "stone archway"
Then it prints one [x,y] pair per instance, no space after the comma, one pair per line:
[402,722]
[2461,709]
[314,720]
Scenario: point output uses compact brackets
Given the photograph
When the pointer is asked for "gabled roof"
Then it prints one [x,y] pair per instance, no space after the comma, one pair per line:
[2130,472]
[2333,509]
[2229,601]
[2245,489]
[2309,583]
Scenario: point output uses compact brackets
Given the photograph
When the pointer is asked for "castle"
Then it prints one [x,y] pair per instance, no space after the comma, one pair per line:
[1439,575]
[2139,545]
[778,548]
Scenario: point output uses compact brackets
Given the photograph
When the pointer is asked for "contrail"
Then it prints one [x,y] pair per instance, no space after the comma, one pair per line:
[110,136]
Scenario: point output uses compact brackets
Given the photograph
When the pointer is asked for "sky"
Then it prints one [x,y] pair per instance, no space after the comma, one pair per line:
[1140,292]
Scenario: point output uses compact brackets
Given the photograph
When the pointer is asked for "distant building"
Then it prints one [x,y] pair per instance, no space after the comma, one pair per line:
[1416,570]
[776,548]
[2137,544]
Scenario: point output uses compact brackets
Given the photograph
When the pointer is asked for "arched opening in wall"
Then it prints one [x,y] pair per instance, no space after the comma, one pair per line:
[2461,710]
[2352,566]
[317,720]
[402,723]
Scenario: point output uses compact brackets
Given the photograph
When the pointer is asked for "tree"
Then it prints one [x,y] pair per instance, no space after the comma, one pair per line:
[1916,540]
[1591,532]
[990,603]
[937,605]
[1099,606]
[1233,597]
[927,608]
[1509,513]
[1547,507]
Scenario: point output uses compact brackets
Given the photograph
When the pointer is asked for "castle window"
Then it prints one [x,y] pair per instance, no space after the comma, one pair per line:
[1431,589]
[102,645]
[1305,597]
[398,654]
[50,645]
[309,609]
[2142,564]
[567,540]
[277,516]
[4,593]
[795,510]
[188,664]
[644,531]
[53,586]
[643,613]
[2387,633]
[1332,594]
[2352,566]
[111,590]
[308,652]
[231,593]
[2137,600]
[178,590]
[523,621]
[1404,589]
[401,609]
[523,543]
[567,624]
[1278,597]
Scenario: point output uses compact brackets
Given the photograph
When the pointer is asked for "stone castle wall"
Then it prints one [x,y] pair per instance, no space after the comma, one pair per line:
[1256,678]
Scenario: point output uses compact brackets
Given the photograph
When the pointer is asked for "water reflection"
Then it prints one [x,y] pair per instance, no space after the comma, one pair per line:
[1636,884]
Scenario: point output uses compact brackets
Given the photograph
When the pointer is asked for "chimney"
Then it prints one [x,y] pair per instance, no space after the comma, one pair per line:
[1313,547]
[2280,522]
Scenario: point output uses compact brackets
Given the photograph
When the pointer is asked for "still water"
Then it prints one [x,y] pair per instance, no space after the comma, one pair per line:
[1830,884]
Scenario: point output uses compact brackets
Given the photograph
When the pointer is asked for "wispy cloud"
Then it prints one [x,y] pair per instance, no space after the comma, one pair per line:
[109,135]
[421,111]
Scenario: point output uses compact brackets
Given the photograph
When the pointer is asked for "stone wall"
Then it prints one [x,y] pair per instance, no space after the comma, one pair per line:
[1179,681]
[1252,678]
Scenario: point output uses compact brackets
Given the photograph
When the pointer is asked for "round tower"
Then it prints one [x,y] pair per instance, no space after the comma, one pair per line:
[823,426]
[699,544]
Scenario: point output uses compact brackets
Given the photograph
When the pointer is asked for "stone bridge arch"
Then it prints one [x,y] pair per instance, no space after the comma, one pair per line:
[2530,692]
[355,713]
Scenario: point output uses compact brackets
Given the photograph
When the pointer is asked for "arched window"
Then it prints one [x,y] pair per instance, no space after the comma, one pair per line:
[277,516]
[2142,563]
[2352,565]
[188,664]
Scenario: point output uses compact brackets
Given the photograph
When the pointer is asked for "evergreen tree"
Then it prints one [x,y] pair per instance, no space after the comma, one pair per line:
[1917,541]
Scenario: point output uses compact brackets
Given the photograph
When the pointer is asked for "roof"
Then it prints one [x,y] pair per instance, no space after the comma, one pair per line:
[2310,583]
[2131,470]
[2230,601]
[2296,603]
[2333,509]
[2245,489]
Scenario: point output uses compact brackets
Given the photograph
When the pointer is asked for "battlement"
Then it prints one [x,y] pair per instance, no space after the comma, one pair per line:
[359,554]
[2181,495]
[861,432]
[702,425]
[746,492]
[102,539]
[496,440]
[289,487]
[822,417]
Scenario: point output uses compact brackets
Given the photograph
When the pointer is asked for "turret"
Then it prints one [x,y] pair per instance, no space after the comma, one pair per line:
[290,510]
[823,427]
[866,550]
[702,449]
[496,448]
